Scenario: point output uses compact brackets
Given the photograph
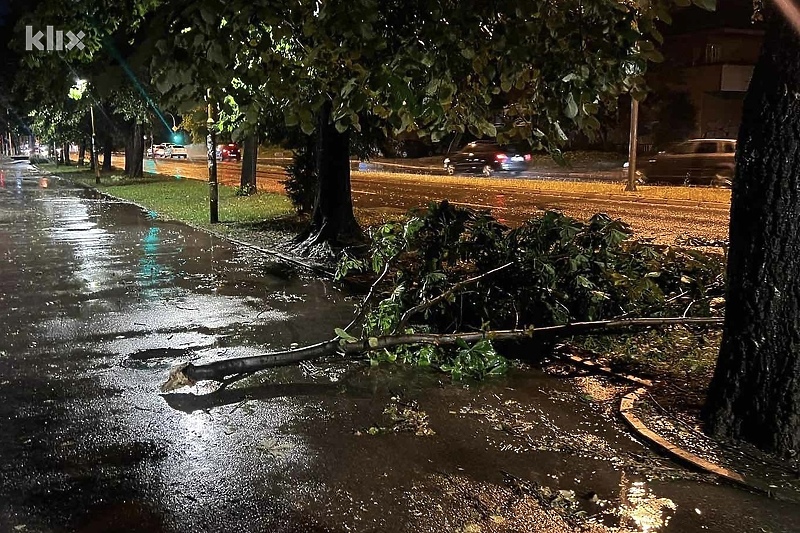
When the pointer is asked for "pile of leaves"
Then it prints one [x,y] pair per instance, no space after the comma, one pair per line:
[449,269]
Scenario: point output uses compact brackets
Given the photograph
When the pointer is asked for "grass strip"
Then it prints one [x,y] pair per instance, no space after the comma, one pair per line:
[184,199]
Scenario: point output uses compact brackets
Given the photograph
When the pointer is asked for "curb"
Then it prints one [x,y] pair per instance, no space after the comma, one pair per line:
[317,269]
[626,407]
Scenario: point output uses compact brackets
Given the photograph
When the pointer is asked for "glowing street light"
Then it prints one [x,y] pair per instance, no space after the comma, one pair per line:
[76,93]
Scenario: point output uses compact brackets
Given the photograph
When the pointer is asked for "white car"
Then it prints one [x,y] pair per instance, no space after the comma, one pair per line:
[176,151]
[159,150]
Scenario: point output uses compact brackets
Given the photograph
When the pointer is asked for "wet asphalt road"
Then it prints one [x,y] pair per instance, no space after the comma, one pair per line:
[664,220]
[98,300]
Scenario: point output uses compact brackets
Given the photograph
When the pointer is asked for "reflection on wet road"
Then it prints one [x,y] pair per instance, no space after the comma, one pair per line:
[98,300]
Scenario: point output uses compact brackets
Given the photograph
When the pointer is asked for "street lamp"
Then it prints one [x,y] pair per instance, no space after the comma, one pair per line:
[77,93]
[174,126]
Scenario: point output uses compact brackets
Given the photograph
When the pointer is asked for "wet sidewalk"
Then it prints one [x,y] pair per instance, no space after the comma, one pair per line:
[98,300]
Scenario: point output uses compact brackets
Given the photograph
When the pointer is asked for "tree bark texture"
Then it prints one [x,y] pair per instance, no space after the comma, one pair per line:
[107,152]
[82,153]
[249,161]
[333,220]
[129,152]
[135,169]
[755,392]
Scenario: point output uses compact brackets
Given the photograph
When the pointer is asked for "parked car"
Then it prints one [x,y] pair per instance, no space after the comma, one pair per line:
[487,157]
[228,152]
[176,151]
[693,162]
[160,150]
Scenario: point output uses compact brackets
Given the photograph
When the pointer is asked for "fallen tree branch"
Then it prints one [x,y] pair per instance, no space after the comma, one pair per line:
[188,373]
[452,290]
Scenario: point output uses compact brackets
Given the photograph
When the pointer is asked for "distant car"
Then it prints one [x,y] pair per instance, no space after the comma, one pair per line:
[159,150]
[487,157]
[176,151]
[228,152]
[693,162]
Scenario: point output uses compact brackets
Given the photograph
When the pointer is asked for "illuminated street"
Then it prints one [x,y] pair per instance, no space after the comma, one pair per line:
[656,212]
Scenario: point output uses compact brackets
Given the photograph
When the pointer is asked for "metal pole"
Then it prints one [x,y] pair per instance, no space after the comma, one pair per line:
[211,145]
[94,152]
[631,186]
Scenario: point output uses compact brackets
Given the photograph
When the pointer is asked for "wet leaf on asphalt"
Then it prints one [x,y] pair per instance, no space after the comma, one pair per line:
[274,447]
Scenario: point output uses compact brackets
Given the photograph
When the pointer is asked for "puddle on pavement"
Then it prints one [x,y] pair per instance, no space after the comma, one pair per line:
[97,300]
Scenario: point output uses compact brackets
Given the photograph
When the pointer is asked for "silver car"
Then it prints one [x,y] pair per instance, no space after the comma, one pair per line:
[693,162]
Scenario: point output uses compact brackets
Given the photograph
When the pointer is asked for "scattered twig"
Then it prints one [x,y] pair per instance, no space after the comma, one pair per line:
[362,309]
[661,304]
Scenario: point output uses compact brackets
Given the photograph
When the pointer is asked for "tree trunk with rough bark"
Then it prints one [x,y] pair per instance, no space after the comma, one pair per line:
[755,392]
[107,152]
[333,221]
[82,153]
[135,168]
[129,152]
[249,162]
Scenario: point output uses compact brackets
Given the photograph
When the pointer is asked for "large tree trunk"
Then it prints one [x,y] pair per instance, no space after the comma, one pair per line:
[129,150]
[755,393]
[249,163]
[107,152]
[82,153]
[333,221]
[134,163]
[65,151]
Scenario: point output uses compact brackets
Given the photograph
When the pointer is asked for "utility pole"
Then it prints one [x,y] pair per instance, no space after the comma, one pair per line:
[632,145]
[211,145]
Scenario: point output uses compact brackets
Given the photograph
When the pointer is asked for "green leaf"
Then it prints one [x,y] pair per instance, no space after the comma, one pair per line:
[572,107]
[307,127]
[373,342]
[708,5]
[559,132]
[292,119]
[342,334]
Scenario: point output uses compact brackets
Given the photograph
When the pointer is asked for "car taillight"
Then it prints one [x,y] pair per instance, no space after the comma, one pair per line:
[501,157]
[527,157]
